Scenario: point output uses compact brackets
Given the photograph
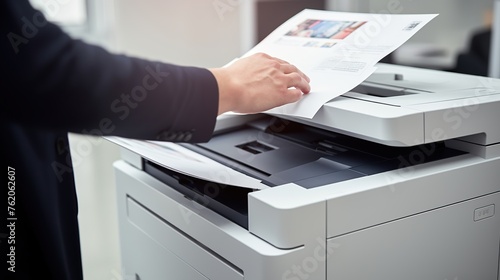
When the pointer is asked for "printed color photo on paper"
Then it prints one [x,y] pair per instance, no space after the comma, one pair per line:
[325,29]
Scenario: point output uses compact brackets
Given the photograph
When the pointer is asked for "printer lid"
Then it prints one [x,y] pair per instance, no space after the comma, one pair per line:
[407,106]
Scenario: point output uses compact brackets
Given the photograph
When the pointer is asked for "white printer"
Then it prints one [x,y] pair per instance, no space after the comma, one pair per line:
[397,179]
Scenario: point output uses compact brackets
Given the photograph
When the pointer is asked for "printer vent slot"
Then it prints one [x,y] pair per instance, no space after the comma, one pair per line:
[384,90]
[329,147]
[255,147]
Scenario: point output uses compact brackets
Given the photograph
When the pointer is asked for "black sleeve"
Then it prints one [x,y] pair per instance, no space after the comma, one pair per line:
[53,81]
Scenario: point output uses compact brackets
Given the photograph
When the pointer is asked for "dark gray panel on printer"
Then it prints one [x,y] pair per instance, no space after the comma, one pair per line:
[279,151]
[316,168]
[329,178]
[280,154]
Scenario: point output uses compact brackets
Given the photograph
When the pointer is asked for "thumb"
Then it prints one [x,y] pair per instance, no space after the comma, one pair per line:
[293,95]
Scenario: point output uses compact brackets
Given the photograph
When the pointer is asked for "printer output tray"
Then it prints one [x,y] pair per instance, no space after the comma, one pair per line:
[278,151]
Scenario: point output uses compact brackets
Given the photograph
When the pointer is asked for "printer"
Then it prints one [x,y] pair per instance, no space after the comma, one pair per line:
[397,179]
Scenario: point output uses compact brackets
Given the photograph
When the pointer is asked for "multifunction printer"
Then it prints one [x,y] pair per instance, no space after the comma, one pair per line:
[397,179]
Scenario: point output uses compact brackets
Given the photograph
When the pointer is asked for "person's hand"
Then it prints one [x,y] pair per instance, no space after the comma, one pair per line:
[258,83]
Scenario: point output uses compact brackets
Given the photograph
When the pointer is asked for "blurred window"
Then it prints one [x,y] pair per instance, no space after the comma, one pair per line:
[89,20]
[64,12]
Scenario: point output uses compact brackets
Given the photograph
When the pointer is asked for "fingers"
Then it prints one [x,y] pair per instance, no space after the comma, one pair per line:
[293,95]
[296,81]
[296,78]
[289,68]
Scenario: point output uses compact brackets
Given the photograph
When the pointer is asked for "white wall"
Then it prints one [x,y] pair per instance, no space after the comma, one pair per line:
[456,20]
[195,32]
[449,32]
[97,216]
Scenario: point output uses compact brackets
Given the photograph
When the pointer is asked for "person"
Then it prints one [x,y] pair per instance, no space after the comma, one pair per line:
[476,59]
[52,84]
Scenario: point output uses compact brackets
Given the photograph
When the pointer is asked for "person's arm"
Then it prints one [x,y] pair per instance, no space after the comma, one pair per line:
[50,80]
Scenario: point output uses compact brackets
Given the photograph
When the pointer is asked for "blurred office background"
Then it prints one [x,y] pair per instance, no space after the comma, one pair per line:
[210,33]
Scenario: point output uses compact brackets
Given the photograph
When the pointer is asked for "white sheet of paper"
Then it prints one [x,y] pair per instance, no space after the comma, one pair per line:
[336,50]
[185,161]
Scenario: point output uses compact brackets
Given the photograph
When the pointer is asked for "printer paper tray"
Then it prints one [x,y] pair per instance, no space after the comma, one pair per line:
[229,201]
[294,153]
